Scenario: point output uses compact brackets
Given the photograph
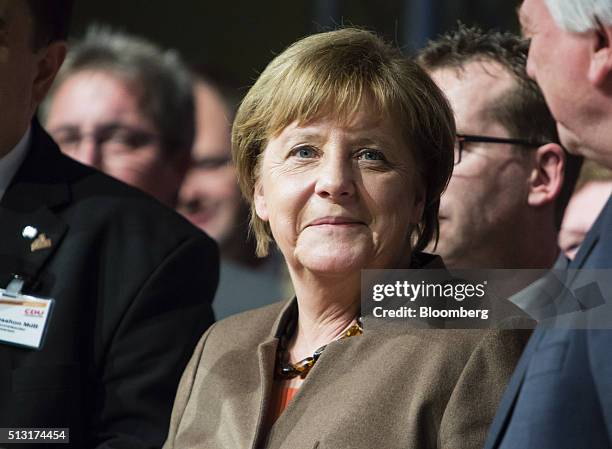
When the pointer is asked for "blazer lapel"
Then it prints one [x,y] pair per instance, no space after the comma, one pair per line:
[25,256]
[30,230]
[266,355]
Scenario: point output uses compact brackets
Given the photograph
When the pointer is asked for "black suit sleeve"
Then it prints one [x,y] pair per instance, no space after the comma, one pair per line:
[151,347]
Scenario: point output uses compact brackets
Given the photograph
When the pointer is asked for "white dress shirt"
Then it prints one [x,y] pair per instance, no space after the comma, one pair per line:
[10,163]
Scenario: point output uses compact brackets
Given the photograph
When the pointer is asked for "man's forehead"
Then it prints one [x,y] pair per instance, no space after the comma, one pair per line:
[478,79]
[475,90]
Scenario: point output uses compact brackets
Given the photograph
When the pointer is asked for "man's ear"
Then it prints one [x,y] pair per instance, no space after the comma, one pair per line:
[600,67]
[261,206]
[50,60]
[546,177]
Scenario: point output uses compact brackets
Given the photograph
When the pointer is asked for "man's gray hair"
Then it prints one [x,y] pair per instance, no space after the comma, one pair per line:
[580,15]
[158,78]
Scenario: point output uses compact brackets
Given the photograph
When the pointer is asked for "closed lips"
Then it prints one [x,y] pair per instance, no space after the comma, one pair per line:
[334,221]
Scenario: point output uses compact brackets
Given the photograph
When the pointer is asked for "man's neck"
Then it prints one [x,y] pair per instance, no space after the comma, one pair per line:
[11,161]
[11,139]
[5,150]
[531,244]
[537,249]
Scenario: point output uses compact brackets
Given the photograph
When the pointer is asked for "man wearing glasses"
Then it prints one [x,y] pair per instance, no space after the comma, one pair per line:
[123,106]
[503,205]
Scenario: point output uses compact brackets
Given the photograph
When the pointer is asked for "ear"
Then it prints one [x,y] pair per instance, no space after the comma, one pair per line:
[261,206]
[601,59]
[50,60]
[546,177]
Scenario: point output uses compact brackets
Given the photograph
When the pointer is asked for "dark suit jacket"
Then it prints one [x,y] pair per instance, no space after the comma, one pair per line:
[392,387]
[133,283]
[560,396]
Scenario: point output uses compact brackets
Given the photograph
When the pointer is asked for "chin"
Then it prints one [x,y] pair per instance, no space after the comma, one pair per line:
[333,267]
[222,233]
[330,260]
[570,141]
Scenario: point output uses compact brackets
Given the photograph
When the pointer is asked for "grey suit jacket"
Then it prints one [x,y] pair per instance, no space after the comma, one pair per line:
[388,388]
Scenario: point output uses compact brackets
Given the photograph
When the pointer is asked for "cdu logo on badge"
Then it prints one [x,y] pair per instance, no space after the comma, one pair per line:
[35,312]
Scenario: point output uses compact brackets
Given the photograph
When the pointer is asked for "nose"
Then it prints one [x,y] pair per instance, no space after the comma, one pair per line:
[88,152]
[336,178]
[190,193]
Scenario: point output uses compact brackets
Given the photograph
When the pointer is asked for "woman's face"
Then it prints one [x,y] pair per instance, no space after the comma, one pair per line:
[340,197]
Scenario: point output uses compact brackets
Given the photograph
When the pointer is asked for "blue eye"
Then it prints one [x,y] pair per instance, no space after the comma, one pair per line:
[371,155]
[304,152]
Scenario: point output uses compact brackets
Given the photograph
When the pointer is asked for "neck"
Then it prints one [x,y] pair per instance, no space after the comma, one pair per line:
[10,139]
[7,148]
[531,246]
[593,140]
[537,246]
[327,305]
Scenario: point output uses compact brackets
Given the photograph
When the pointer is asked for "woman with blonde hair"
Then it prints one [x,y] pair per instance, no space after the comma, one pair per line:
[343,148]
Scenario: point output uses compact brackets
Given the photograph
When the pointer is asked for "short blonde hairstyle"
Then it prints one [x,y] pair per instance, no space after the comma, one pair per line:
[332,74]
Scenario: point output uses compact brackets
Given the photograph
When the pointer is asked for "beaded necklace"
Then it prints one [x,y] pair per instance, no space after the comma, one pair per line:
[287,370]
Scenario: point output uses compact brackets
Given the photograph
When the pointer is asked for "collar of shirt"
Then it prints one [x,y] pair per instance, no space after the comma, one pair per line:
[10,163]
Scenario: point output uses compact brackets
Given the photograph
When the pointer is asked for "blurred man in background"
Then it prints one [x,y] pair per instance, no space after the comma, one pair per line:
[122,105]
[129,281]
[210,198]
[560,396]
[501,207]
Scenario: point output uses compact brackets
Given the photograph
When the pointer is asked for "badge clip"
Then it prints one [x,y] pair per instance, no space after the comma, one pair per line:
[13,289]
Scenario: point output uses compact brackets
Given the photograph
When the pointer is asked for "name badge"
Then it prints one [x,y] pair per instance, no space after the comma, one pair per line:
[24,319]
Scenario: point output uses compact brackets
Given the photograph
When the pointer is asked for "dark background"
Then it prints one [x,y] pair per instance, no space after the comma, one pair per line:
[235,39]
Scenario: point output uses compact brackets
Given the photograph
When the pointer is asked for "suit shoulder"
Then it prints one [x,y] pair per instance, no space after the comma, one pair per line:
[470,339]
[88,182]
[111,202]
[492,347]
[461,344]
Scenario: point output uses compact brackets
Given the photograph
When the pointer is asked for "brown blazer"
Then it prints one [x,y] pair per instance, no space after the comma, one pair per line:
[388,388]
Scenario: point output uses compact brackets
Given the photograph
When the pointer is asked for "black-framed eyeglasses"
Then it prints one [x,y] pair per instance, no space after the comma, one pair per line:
[461,139]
